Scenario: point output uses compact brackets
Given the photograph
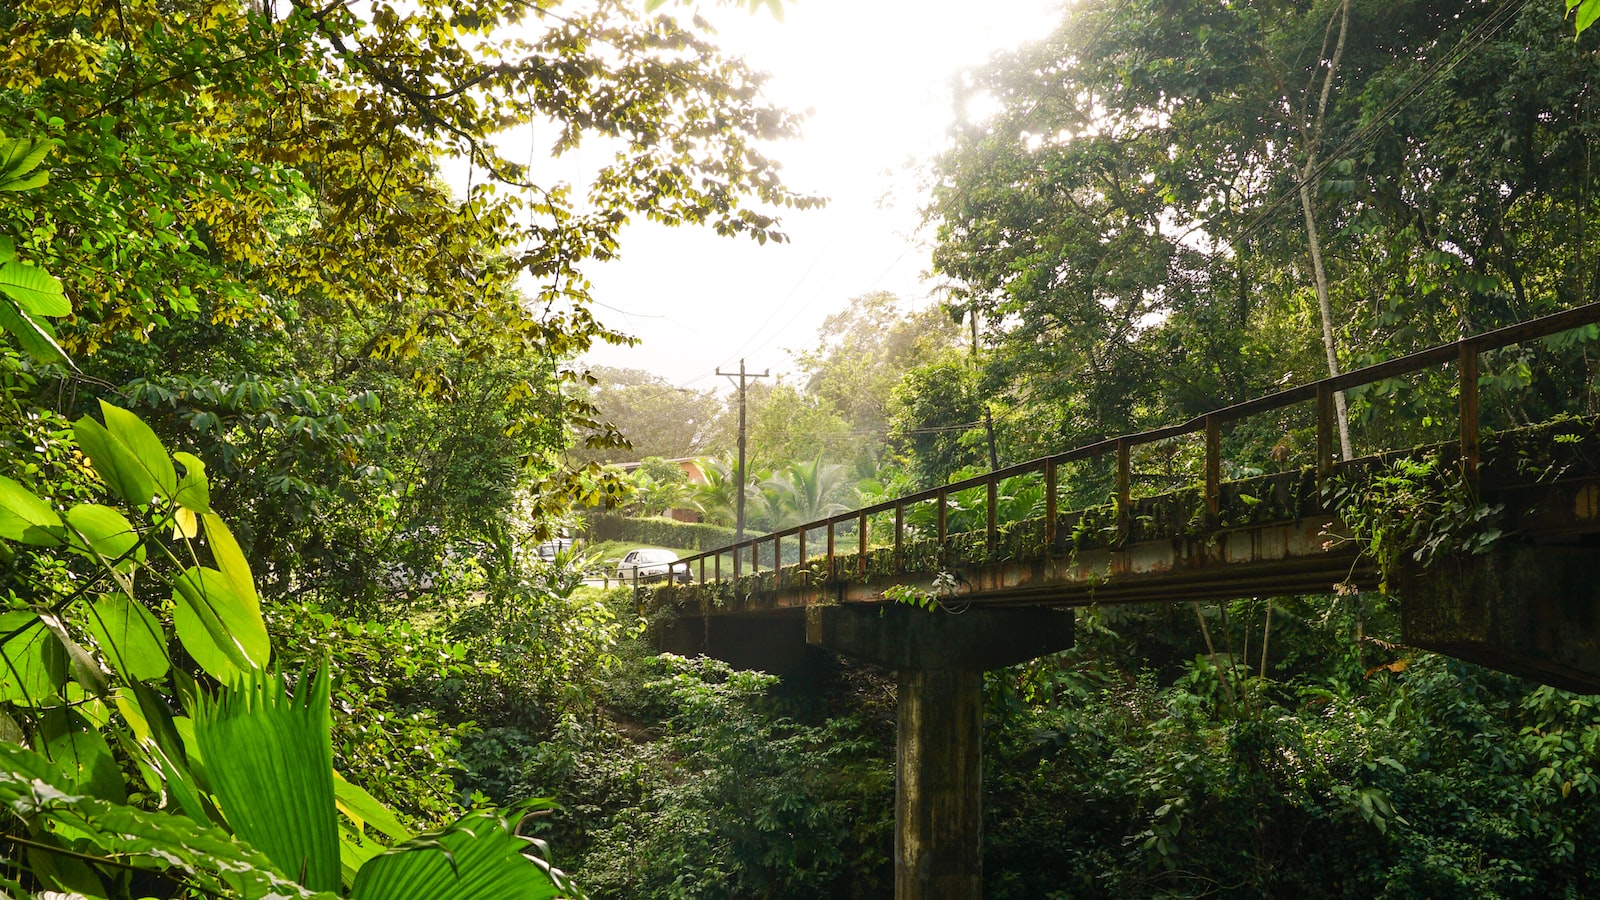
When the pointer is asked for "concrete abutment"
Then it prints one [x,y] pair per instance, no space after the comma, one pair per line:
[1528,609]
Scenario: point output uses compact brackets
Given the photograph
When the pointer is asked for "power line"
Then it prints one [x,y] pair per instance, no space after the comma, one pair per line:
[1441,66]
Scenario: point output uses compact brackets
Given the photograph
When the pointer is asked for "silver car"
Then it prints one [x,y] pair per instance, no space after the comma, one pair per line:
[651,564]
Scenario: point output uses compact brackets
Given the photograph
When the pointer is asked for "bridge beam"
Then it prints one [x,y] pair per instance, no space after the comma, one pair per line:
[772,642]
[1528,609]
[939,658]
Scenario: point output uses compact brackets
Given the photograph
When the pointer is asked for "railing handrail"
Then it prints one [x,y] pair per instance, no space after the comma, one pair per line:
[1464,350]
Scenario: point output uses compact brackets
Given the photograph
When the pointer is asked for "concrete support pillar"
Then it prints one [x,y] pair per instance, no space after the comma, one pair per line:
[939,786]
[940,659]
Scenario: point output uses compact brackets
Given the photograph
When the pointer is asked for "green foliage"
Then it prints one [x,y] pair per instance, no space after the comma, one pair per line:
[1427,780]
[248,755]
[247,208]
[658,532]
[804,492]
[935,413]
[657,417]
[1124,215]
[28,294]
[1587,12]
[863,352]
[1421,508]
[732,800]
[389,733]
[787,423]
[659,485]
[273,771]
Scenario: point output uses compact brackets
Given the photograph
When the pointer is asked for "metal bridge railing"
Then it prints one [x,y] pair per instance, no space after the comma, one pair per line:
[1463,352]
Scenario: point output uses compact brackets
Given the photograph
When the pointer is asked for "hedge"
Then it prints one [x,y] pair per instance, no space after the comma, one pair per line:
[658,531]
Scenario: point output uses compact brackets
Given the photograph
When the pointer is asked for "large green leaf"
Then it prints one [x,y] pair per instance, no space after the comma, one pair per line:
[364,809]
[19,157]
[33,666]
[1588,11]
[206,859]
[194,493]
[36,291]
[131,432]
[116,465]
[127,454]
[130,636]
[230,559]
[35,336]
[479,857]
[106,532]
[272,772]
[223,631]
[85,759]
[26,518]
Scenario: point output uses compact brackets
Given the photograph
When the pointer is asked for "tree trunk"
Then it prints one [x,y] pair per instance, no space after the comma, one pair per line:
[1324,305]
[1311,129]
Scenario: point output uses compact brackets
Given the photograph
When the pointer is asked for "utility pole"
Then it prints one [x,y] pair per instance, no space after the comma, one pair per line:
[743,376]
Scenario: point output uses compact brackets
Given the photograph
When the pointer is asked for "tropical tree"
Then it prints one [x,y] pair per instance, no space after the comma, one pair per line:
[1131,224]
[863,351]
[717,497]
[249,215]
[803,492]
[660,485]
[936,418]
[657,417]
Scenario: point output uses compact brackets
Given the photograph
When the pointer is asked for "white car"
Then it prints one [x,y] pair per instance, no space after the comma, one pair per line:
[650,564]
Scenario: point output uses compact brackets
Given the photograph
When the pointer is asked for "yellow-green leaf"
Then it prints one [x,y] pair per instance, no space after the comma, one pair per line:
[141,441]
[230,559]
[221,630]
[26,518]
[130,636]
[106,532]
[36,291]
[194,493]
[32,664]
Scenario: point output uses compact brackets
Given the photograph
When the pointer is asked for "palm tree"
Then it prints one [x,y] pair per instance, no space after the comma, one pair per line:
[805,492]
[718,498]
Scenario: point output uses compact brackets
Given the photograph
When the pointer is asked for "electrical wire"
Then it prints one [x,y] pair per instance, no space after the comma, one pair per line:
[1445,64]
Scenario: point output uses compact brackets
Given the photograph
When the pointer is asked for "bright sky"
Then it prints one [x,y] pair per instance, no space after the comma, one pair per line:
[875,75]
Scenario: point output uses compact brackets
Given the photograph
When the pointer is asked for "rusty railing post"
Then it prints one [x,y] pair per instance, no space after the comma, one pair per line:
[861,547]
[716,566]
[805,579]
[899,537]
[1468,371]
[830,550]
[1213,466]
[1124,489]
[1050,502]
[1324,433]
[992,524]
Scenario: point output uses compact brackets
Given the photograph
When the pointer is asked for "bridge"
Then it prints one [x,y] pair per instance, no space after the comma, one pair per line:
[941,585]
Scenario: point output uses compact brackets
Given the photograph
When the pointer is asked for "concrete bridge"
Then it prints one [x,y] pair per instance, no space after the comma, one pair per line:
[897,585]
